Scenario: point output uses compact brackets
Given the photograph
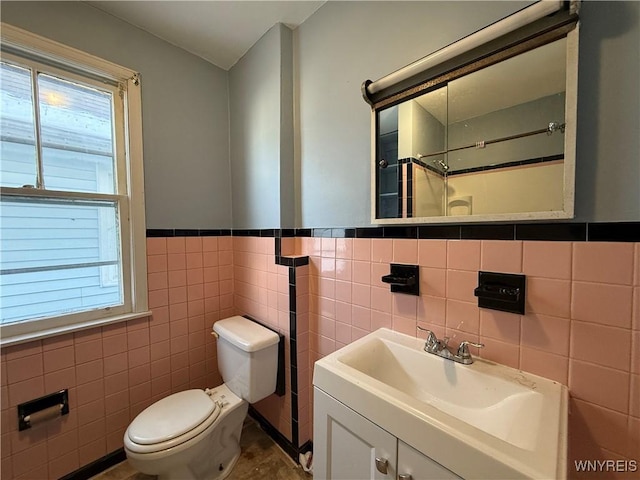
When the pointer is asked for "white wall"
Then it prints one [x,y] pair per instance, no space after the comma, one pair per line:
[186,106]
[184,109]
[261,114]
[607,166]
[345,43]
[339,47]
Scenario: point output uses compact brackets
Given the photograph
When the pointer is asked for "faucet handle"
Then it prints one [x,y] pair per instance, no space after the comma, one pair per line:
[431,339]
[463,349]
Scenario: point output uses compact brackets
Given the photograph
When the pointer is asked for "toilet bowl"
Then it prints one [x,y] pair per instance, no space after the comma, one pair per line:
[195,434]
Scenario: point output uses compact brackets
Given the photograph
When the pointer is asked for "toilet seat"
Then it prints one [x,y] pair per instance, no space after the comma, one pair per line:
[171,421]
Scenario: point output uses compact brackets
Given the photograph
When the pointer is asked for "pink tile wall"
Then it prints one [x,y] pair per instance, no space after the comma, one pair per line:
[107,372]
[190,287]
[114,372]
[261,290]
[582,326]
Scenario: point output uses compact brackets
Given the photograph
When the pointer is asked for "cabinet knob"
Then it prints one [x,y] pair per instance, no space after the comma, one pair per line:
[382,464]
[405,476]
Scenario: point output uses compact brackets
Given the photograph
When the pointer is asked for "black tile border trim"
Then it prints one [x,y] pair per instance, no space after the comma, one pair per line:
[484,168]
[109,460]
[274,433]
[515,163]
[306,447]
[614,232]
[292,261]
[177,232]
[559,231]
[267,232]
[409,192]
[293,350]
[97,466]
[493,232]
[573,232]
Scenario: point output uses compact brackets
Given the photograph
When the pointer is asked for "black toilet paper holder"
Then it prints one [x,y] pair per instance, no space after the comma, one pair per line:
[58,399]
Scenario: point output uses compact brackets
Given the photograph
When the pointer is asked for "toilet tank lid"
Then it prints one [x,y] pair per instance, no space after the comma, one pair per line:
[245,334]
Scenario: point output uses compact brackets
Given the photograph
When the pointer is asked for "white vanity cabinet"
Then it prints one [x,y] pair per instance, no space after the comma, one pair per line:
[347,446]
[382,396]
[417,466]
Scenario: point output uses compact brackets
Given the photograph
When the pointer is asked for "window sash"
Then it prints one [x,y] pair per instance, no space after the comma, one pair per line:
[124,84]
[117,93]
[48,246]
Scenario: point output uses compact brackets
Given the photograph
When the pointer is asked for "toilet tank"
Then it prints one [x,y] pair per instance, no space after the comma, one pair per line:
[247,357]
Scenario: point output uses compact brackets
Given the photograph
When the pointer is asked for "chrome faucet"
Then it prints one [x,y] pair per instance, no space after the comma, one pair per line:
[441,348]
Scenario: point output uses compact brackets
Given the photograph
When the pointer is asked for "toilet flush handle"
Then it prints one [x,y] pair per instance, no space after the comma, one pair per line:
[215,334]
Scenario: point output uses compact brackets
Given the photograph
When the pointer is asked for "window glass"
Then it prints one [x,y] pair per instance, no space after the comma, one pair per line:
[58,257]
[17,127]
[76,125]
[60,252]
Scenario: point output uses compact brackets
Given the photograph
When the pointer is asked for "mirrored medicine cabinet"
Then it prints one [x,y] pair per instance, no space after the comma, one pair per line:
[488,135]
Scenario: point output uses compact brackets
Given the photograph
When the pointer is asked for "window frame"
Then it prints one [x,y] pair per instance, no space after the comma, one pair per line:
[22,47]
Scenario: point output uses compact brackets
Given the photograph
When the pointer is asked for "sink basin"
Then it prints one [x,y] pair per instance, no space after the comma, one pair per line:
[502,421]
[507,408]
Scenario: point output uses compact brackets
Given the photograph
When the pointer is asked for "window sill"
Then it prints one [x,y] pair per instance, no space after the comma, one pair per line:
[76,327]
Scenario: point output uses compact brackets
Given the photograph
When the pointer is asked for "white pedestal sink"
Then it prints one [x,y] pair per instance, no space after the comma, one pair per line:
[482,420]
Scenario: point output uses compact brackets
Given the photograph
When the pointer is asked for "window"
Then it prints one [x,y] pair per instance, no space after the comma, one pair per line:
[72,231]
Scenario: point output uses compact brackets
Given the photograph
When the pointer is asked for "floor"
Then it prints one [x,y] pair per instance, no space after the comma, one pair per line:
[261,458]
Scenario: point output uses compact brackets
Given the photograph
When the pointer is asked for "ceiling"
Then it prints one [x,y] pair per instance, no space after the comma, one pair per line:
[220,32]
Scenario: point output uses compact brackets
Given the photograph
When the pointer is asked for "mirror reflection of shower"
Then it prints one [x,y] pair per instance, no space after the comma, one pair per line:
[437,163]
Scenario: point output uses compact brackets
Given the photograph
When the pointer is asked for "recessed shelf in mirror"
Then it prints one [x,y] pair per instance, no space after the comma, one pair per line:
[491,139]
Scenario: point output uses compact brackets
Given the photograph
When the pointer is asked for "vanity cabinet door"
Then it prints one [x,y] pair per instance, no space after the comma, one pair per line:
[347,446]
[413,465]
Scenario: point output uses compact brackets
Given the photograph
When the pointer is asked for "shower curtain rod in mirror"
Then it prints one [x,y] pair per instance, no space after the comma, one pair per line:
[553,127]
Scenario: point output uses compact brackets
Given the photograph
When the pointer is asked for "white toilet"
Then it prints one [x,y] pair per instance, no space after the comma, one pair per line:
[195,434]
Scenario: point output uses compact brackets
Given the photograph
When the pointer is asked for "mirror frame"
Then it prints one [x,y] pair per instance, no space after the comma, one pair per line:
[564,25]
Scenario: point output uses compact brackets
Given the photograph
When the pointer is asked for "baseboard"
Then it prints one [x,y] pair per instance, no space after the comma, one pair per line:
[97,466]
[275,434]
[306,447]
[117,456]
